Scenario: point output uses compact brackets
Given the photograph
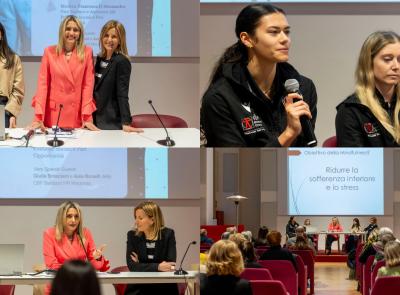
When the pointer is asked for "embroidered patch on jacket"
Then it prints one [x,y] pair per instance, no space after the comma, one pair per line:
[371,130]
[252,124]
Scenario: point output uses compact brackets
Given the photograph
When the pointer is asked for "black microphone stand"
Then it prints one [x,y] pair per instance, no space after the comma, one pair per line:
[55,142]
[181,271]
[167,141]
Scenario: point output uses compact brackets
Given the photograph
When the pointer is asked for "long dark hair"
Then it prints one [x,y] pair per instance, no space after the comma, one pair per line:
[76,277]
[247,21]
[5,51]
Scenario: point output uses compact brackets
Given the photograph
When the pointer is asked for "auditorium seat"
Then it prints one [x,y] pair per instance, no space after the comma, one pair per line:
[386,286]
[119,288]
[367,275]
[273,287]
[151,121]
[308,259]
[7,289]
[256,274]
[358,264]
[330,142]
[374,274]
[284,271]
[302,275]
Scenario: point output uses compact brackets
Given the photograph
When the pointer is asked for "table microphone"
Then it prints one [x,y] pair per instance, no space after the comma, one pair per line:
[292,86]
[167,141]
[180,271]
[83,245]
[55,142]
[28,136]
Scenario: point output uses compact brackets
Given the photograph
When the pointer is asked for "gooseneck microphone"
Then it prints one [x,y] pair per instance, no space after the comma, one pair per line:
[167,141]
[55,142]
[84,249]
[28,136]
[180,271]
[292,86]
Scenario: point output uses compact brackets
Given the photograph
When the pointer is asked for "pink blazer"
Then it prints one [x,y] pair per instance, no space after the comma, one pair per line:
[56,253]
[67,83]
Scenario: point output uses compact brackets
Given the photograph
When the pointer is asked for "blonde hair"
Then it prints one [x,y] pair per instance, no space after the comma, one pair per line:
[120,29]
[238,239]
[153,211]
[80,45]
[392,254]
[225,258]
[62,218]
[365,80]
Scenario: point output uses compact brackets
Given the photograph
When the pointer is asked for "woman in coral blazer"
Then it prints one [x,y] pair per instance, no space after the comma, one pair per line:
[66,81]
[68,240]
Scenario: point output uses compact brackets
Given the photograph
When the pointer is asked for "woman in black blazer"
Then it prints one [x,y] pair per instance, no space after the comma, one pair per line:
[112,73]
[151,247]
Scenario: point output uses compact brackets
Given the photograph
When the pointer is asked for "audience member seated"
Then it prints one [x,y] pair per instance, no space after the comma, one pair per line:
[75,277]
[276,252]
[248,235]
[334,226]
[204,239]
[392,260]
[373,224]
[224,266]
[379,246]
[351,242]
[229,231]
[300,234]
[262,237]
[368,248]
[291,227]
[249,255]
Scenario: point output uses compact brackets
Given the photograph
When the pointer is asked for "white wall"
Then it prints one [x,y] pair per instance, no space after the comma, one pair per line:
[109,225]
[324,48]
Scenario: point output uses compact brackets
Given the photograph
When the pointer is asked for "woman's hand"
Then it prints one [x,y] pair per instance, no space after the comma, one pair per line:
[37,125]
[89,125]
[166,266]
[134,257]
[294,110]
[127,128]
[97,253]
[13,122]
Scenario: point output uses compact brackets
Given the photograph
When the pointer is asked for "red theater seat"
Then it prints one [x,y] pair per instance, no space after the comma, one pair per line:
[268,287]
[386,286]
[151,121]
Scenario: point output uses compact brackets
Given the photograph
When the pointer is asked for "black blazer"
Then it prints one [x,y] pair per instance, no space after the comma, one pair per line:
[165,251]
[228,284]
[111,94]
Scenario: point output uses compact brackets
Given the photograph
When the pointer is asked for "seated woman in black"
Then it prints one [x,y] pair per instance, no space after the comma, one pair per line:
[246,103]
[151,247]
[370,116]
[224,266]
[113,72]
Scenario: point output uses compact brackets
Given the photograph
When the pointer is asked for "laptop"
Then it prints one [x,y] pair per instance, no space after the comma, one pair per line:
[2,122]
[11,259]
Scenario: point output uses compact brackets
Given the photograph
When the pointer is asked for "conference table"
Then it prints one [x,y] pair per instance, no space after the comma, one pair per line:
[111,278]
[83,138]
[362,234]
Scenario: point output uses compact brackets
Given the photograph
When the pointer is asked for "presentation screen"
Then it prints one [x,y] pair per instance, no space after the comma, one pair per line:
[335,181]
[151,173]
[32,25]
[293,1]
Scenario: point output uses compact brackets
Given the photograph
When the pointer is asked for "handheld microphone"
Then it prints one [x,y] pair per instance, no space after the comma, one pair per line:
[55,142]
[292,86]
[167,141]
[180,271]
[84,249]
[28,136]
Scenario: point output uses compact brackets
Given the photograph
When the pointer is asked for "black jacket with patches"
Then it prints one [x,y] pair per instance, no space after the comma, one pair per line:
[235,112]
[356,126]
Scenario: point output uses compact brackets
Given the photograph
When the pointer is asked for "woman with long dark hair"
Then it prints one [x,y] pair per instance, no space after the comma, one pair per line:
[12,81]
[246,103]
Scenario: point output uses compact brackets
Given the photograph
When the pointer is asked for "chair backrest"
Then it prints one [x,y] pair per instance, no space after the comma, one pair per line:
[256,274]
[367,274]
[386,286]
[358,264]
[330,142]
[7,289]
[302,275]
[309,261]
[267,287]
[284,271]
[374,274]
[120,288]
[260,251]
[151,121]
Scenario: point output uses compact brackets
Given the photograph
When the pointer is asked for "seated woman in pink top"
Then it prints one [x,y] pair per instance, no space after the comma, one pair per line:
[68,240]
[66,80]
[334,226]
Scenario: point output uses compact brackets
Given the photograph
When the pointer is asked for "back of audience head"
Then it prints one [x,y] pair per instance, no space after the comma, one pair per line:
[274,238]
[203,232]
[301,243]
[300,230]
[248,235]
[248,252]
[238,239]
[262,233]
[75,277]
[392,254]
[225,235]
[384,230]
[225,258]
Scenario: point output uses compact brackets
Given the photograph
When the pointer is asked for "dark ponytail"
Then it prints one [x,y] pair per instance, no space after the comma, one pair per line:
[5,51]
[247,21]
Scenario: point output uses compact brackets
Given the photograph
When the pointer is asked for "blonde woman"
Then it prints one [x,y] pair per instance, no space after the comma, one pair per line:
[151,247]
[66,81]
[224,266]
[392,260]
[12,81]
[68,240]
[370,116]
